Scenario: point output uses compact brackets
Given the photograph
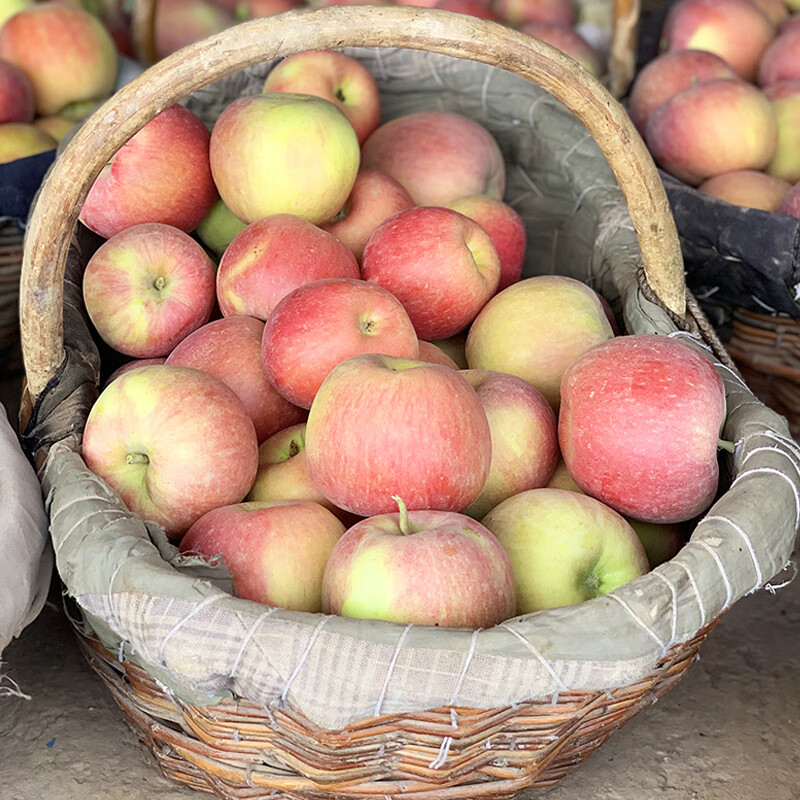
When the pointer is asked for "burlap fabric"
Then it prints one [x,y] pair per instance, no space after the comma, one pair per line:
[203,645]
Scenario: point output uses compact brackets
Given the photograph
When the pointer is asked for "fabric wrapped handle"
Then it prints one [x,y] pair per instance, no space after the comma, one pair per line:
[114,123]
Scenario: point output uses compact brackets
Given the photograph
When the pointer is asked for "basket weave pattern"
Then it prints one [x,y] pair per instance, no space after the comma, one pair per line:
[10,264]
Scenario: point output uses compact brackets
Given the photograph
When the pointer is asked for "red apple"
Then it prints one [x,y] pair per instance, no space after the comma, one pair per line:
[273,256]
[21,139]
[568,41]
[173,442]
[375,198]
[437,156]
[524,437]
[431,354]
[735,30]
[276,552]
[337,77]
[230,349]
[420,568]
[179,23]
[161,174]
[791,202]
[66,53]
[781,60]
[711,128]
[254,147]
[147,288]
[639,427]
[669,74]
[747,188]
[440,264]
[16,95]
[775,10]
[785,99]
[381,426]
[320,324]
[535,329]
[517,13]
[505,228]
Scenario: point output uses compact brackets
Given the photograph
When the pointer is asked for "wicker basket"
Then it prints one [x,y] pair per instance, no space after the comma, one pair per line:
[10,266]
[436,728]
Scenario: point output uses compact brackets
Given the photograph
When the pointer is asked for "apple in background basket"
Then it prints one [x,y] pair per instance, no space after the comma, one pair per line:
[646,442]
[564,547]
[735,30]
[791,203]
[147,288]
[748,188]
[524,437]
[339,78]
[382,426]
[781,60]
[173,442]
[21,139]
[320,324]
[441,265]
[230,349]
[536,328]
[161,174]
[785,99]
[420,568]
[505,228]
[276,552]
[273,256]
[668,74]
[517,13]
[253,157]
[67,54]
[775,10]
[437,156]
[179,23]
[711,128]
[569,42]
[56,127]
[16,95]
[375,197]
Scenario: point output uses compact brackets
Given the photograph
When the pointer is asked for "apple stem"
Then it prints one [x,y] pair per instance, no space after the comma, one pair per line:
[159,282]
[137,458]
[728,447]
[294,448]
[405,524]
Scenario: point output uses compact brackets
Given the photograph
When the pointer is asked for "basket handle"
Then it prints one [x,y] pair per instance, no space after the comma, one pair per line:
[622,50]
[63,193]
[143,31]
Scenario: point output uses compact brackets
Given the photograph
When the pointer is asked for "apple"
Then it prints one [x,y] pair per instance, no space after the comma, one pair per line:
[55,127]
[561,479]
[454,347]
[668,74]
[793,21]
[253,157]
[16,95]
[273,256]
[276,552]
[134,364]
[420,568]
[472,8]
[336,77]
[438,156]
[66,53]
[505,228]
[179,23]
[517,13]
[775,10]
[21,139]
[748,188]
[564,547]
[320,324]
[735,30]
[381,426]
[791,202]
[10,7]
[535,329]
[162,174]
[432,354]
[219,227]
[440,264]
[781,59]
[660,542]
[230,350]
[524,437]
[639,427]
[711,128]
[568,41]
[173,443]
[375,197]
[147,288]
[785,99]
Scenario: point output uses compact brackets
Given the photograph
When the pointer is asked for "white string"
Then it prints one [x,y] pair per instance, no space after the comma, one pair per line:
[738,529]
[196,610]
[772,471]
[443,751]
[774,450]
[573,149]
[485,90]
[561,685]
[464,668]
[773,588]
[13,690]
[724,574]
[379,61]
[582,196]
[638,620]
[303,658]
[529,181]
[392,663]
[542,98]
[80,522]
[674,632]
[247,638]
[696,590]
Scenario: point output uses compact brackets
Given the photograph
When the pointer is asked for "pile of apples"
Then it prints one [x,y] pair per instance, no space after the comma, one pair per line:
[362,408]
[720,108]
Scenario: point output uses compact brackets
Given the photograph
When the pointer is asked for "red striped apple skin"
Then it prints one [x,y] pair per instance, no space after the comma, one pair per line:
[382,426]
[639,427]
